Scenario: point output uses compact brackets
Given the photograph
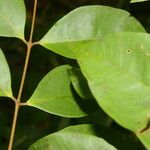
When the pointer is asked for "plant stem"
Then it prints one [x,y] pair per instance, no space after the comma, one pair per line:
[29,45]
[13,126]
[18,101]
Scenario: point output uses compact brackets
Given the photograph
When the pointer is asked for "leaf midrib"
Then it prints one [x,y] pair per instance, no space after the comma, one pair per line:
[69,41]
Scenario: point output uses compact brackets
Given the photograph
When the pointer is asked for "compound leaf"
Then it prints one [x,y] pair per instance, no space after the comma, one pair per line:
[12,18]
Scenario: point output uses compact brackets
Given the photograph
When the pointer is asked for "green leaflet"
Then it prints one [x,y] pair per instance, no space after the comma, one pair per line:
[135,1]
[5,78]
[118,74]
[80,84]
[12,18]
[85,24]
[117,139]
[81,137]
[54,95]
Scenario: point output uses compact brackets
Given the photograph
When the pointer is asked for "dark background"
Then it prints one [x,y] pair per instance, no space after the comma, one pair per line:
[33,123]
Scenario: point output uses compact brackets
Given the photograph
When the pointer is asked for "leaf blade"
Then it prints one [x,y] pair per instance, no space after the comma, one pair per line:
[85,24]
[136,1]
[119,80]
[5,78]
[69,137]
[12,16]
[54,94]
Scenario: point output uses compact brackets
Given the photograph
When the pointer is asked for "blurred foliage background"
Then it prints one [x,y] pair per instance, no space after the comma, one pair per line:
[32,123]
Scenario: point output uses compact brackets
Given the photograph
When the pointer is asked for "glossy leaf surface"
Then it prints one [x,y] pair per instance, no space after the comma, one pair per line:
[5,78]
[54,94]
[118,73]
[12,18]
[75,138]
[87,23]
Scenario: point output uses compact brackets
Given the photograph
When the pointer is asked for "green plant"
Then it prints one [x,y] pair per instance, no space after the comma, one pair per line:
[112,50]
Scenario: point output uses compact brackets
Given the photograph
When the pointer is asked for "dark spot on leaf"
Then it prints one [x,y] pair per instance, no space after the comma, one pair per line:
[138,122]
[128,50]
